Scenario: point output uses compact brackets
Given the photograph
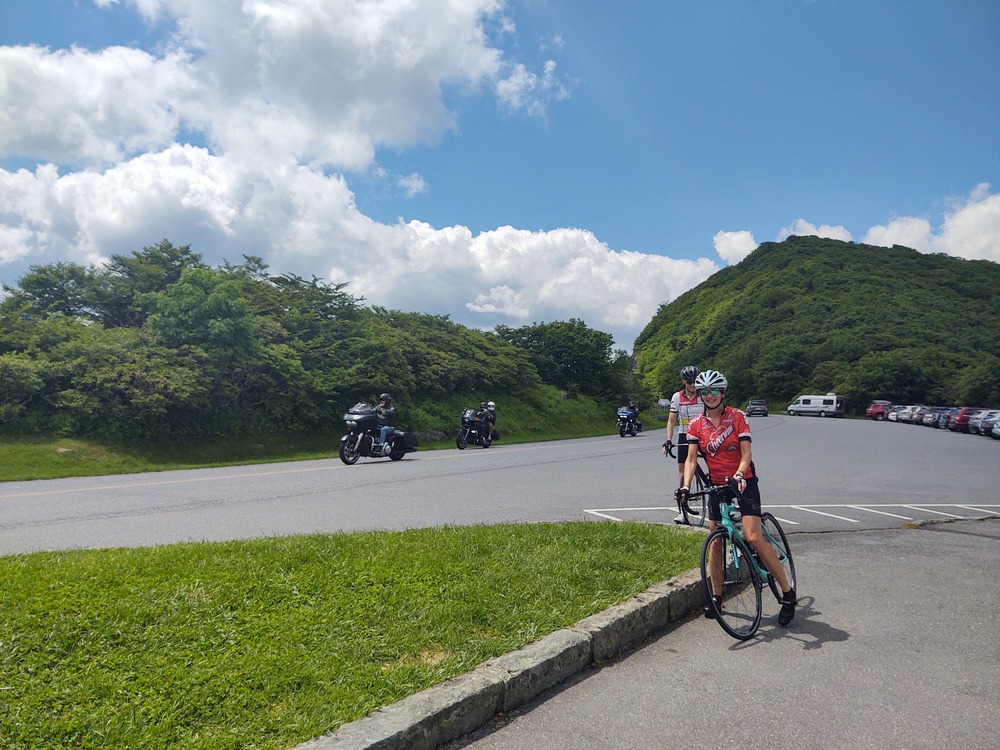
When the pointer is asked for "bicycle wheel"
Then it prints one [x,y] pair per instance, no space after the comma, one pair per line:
[740,611]
[699,500]
[775,536]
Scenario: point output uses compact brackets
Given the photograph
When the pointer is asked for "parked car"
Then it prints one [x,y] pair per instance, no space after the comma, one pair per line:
[756,408]
[976,420]
[933,414]
[995,432]
[942,423]
[878,410]
[986,426]
[907,412]
[893,415]
[830,405]
[959,422]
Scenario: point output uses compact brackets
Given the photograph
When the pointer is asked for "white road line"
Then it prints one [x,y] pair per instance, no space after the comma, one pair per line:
[880,512]
[976,508]
[928,510]
[821,513]
[602,515]
[786,520]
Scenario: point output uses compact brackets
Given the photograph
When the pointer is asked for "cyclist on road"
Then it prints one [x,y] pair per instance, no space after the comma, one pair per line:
[685,405]
[722,435]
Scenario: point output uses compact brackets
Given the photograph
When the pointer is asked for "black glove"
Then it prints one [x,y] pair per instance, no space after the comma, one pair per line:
[668,449]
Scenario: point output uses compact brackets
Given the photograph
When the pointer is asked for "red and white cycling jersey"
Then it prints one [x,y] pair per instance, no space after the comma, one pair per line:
[686,408]
[720,444]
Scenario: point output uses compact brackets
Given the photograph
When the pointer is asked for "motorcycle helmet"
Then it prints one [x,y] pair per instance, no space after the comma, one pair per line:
[483,404]
[711,379]
[689,373]
[491,405]
[385,397]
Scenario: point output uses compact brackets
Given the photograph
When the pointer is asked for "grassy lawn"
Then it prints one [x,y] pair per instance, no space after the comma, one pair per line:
[267,643]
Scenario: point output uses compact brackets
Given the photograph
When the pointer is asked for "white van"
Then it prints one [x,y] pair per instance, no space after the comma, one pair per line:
[830,405]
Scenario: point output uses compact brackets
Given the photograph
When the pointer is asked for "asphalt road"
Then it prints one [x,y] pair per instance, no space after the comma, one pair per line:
[815,473]
[895,645]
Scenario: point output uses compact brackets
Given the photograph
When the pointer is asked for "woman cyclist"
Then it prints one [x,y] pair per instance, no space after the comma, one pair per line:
[722,435]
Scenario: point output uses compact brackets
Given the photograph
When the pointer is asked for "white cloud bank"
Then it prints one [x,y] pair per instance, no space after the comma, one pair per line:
[230,137]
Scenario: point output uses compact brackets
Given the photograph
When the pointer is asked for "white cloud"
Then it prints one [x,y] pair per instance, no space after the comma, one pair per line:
[412,184]
[971,229]
[80,107]
[803,228]
[733,247]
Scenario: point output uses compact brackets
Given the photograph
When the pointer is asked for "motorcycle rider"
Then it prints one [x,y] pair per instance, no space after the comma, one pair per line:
[485,428]
[386,414]
[491,411]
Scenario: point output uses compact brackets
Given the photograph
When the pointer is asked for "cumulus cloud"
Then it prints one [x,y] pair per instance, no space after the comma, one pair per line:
[733,247]
[971,229]
[803,228]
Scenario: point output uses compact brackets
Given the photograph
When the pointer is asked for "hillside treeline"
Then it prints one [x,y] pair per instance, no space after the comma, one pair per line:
[812,315]
[158,345]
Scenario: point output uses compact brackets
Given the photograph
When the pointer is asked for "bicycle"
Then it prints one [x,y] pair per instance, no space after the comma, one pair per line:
[699,484]
[744,575]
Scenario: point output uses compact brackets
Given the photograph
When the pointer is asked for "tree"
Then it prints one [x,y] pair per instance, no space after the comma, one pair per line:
[567,354]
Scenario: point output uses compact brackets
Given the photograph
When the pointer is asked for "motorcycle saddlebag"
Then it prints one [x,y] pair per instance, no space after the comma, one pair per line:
[411,441]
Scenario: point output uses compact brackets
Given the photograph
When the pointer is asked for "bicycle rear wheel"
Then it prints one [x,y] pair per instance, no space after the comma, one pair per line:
[740,611]
[774,535]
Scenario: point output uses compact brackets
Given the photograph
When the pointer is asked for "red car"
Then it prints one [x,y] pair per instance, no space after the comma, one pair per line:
[959,421]
[878,410]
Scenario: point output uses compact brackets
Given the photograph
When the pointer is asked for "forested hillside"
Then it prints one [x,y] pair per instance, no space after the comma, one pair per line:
[811,315]
[156,345]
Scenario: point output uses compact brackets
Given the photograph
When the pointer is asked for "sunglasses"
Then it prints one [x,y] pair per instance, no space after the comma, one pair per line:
[711,391]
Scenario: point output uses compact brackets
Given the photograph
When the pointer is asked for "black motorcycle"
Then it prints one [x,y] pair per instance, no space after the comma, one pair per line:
[362,438]
[475,430]
[628,424]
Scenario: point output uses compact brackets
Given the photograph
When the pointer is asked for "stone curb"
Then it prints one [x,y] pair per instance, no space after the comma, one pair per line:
[454,708]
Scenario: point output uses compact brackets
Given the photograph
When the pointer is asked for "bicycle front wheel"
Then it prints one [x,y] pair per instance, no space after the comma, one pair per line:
[738,584]
[774,535]
[699,499]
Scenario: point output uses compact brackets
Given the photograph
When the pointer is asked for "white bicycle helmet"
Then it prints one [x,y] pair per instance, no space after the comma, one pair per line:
[711,379]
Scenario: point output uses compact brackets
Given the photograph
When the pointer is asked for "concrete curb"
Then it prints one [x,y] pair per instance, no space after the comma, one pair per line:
[454,708]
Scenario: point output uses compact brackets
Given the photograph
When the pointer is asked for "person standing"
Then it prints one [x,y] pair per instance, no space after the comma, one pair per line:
[685,405]
[722,435]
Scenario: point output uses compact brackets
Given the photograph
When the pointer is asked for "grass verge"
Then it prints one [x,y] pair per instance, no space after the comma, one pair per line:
[267,643]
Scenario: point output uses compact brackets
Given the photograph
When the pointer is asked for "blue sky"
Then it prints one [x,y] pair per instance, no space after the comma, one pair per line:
[498,162]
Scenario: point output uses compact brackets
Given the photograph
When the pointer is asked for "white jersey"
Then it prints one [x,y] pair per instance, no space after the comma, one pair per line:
[686,408]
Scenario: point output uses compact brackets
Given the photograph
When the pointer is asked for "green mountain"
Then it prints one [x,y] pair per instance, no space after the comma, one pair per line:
[812,315]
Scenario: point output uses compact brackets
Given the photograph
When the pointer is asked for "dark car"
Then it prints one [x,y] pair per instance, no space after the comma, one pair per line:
[942,423]
[756,408]
[959,422]
[878,410]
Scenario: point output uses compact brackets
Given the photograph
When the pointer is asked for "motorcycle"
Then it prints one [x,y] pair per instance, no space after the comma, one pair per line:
[475,430]
[362,438]
[627,422]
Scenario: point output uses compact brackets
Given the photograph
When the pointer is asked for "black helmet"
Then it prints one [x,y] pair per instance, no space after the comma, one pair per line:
[385,397]
[689,373]
[483,404]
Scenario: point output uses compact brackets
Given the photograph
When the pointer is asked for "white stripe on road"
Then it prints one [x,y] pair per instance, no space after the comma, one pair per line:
[975,509]
[821,513]
[880,512]
[928,510]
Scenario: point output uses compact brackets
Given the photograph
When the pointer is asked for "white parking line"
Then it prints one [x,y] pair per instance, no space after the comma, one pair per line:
[975,509]
[821,513]
[928,510]
[880,512]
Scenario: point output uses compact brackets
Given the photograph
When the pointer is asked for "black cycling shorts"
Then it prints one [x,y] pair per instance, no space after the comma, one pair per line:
[749,503]
[682,448]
